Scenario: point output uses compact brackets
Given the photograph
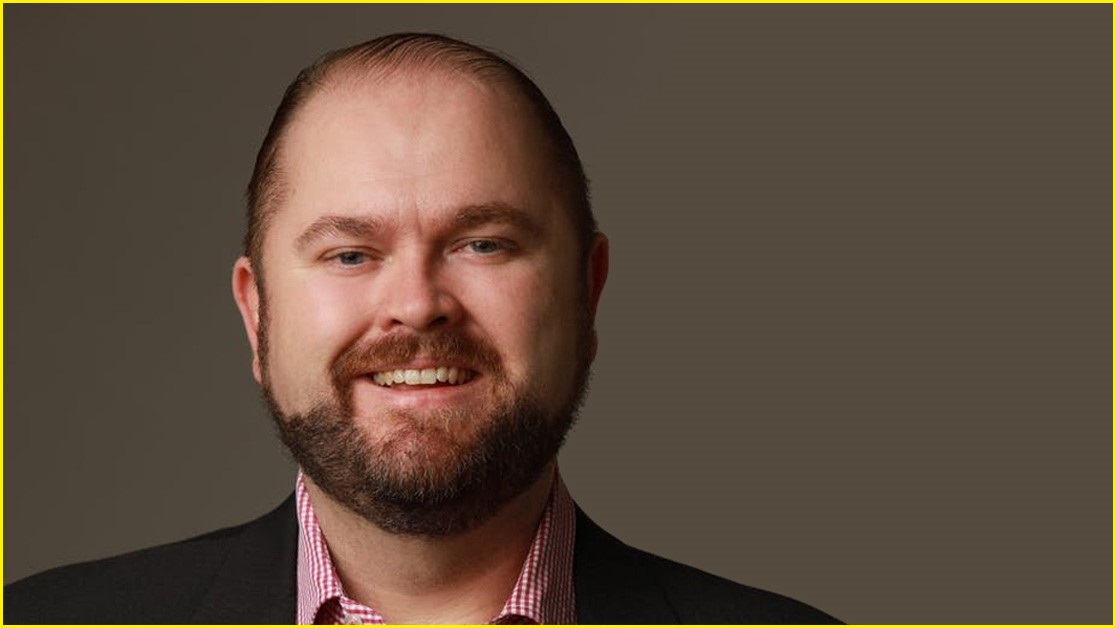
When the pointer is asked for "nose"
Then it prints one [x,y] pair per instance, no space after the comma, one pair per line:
[415,295]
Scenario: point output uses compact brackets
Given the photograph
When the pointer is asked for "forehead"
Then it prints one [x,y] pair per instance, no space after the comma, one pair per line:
[415,142]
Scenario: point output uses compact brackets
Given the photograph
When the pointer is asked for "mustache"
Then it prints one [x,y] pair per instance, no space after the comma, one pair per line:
[449,347]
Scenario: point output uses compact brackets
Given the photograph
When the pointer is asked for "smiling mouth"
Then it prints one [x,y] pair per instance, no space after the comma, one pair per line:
[438,376]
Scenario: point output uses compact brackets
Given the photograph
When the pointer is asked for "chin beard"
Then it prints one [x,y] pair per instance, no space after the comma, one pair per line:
[418,480]
[423,478]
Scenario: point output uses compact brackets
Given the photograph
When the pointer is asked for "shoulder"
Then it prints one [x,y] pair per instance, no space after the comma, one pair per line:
[164,584]
[154,585]
[622,584]
[703,598]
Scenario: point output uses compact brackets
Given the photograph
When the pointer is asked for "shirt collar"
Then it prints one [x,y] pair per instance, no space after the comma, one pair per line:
[543,593]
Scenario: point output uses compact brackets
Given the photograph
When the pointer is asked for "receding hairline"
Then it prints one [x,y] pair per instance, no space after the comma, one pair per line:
[408,57]
[350,80]
[361,64]
[349,74]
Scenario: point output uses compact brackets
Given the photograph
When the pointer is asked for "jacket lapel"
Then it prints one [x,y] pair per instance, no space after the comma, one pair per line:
[612,584]
[257,582]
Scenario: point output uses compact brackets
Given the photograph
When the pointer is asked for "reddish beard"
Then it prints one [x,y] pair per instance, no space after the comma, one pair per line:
[424,477]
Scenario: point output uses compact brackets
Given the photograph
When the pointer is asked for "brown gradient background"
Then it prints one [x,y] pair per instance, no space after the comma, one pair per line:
[855,342]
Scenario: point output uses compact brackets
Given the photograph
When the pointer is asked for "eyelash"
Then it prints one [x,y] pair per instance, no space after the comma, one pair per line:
[363,257]
[348,259]
[500,245]
[340,257]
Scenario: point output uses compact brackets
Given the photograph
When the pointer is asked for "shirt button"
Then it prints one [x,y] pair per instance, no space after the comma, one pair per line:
[352,620]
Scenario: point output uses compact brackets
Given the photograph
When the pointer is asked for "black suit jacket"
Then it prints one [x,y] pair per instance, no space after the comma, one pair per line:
[246,575]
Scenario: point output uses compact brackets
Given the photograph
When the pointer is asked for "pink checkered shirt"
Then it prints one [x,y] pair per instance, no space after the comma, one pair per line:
[543,594]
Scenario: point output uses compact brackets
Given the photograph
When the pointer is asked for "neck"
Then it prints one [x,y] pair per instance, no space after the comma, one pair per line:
[464,578]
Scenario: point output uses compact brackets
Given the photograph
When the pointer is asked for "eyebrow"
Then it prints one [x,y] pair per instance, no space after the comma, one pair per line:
[473,216]
[468,217]
[354,227]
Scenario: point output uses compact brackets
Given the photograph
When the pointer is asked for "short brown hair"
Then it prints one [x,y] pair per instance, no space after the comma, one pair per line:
[399,51]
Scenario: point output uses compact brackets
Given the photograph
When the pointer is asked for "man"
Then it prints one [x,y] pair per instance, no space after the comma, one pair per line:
[420,280]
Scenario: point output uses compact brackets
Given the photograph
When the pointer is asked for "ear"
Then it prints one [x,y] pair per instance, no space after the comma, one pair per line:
[246,293]
[598,273]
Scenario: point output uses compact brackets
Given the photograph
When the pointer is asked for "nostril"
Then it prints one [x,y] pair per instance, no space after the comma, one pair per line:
[418,304]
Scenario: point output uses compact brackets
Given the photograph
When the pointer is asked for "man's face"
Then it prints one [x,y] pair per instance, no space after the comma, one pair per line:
[424,332]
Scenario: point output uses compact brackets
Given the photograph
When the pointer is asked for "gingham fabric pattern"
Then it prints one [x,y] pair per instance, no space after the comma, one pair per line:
[543,594]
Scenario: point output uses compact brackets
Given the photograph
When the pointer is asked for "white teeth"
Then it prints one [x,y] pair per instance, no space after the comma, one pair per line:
[414,377]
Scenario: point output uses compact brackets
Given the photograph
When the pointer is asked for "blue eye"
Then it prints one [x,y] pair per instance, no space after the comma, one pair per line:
[351,258]
[485,247]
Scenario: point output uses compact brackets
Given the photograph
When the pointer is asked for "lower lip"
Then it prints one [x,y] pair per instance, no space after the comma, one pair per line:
[412,396]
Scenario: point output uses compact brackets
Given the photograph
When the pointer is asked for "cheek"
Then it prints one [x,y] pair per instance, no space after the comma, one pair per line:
[310,323]
[531,321]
